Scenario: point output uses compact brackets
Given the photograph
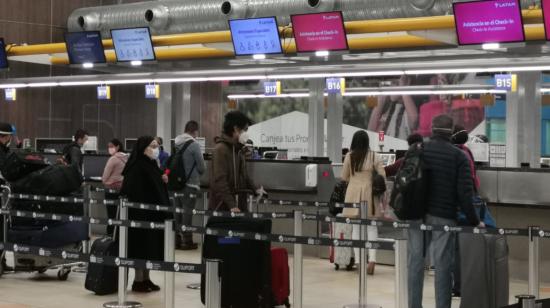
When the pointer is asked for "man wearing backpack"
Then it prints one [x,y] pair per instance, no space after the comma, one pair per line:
[186,168]
[449,189]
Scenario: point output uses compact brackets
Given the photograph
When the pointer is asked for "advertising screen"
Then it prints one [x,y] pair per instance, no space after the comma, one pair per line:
[3,55]
[319,32]
[133,44]
[85,47]
[494,21]
[546,13]
[255,36]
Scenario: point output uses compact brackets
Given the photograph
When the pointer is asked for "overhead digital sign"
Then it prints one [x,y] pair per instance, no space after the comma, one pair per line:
[85,47]
[489,21]
[133,44]
[255,36]
[319,32]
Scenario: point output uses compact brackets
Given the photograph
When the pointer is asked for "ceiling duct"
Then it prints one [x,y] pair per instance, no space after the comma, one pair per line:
[185,16]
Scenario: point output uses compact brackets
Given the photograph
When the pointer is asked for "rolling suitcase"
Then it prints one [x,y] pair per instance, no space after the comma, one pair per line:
[280,277]
[246,267]
[342,256]
[102,279]
[484,271]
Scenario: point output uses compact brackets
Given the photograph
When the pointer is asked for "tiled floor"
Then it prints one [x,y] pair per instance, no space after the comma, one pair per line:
[323,287]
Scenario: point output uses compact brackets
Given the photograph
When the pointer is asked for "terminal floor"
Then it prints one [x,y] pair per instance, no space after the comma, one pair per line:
[323,287]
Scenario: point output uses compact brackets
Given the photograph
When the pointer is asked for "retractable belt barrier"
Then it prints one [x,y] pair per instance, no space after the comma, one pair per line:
[105,260]
[271,215]
[534,234]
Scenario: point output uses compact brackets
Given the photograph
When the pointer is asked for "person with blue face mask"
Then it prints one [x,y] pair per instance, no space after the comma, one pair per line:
[144,183]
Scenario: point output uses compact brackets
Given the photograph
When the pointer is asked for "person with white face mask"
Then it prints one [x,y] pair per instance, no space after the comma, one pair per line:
[143,183]
[229,179]
[72,153]
[112,175]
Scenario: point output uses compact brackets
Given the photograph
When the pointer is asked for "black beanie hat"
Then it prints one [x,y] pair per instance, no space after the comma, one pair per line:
[6,129]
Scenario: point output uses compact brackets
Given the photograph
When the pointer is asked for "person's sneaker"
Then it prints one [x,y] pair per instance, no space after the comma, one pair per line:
[151,285]
[189,246]
[141,287]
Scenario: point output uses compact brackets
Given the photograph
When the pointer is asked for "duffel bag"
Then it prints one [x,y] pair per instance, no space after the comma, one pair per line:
[56,180]
[19,165]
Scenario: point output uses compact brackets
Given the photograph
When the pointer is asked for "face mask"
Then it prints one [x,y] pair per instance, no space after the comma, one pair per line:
[156,153]
[243,137]
[112,151]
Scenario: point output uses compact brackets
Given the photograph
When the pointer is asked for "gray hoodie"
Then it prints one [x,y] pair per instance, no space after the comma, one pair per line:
[191,157]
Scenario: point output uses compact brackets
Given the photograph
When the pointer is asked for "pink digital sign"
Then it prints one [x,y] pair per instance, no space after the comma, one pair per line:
[489,21]
[319,32]
[546,13]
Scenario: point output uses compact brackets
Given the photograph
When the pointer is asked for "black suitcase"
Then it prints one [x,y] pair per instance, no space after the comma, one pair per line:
[19,165]
[56,180]
[102,279]
[246,267]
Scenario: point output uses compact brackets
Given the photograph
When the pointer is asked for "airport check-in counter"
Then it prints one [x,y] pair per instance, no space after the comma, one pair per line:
[296,180]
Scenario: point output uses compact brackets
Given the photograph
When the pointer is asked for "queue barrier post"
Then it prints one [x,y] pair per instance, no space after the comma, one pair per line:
[534,261]
[401,274]
[122,271]
[213,290]
[363,256]
[298,272]
[169,256]
[4,199]
[197,285]
[526,301]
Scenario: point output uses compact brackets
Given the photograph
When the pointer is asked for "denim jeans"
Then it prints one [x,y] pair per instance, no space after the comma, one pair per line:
[443,245]
[187,204]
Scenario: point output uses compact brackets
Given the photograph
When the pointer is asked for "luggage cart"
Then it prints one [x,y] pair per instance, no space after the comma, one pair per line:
[48,234]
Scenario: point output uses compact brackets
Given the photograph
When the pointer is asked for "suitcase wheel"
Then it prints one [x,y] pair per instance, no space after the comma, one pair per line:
[63,273]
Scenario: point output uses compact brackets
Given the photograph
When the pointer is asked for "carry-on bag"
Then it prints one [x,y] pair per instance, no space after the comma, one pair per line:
[484,271]
[56,180]
[246,267]
[103,279]
[343,257]
[19,165]
[280,277]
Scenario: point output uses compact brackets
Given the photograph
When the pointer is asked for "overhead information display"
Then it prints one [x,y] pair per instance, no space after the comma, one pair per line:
[255,36]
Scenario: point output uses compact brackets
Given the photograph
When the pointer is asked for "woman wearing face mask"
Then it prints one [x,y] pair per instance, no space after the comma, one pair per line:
[112,176]
[143,183]
[228,174]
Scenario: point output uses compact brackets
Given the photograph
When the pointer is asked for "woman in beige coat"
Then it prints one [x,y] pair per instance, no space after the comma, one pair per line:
[358,168]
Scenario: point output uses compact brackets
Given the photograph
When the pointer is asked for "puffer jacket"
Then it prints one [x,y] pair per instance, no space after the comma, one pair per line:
[229,176]
[450,182]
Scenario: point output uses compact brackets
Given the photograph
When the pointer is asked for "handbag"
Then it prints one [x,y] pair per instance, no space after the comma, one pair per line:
[378,181]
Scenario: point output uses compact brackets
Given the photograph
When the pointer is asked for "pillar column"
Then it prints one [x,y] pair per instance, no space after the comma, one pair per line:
[316,123]
[523,121]
[335,118]
[164,115]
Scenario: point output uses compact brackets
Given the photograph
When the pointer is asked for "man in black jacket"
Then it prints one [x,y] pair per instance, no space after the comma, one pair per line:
[72,153]
[450,188]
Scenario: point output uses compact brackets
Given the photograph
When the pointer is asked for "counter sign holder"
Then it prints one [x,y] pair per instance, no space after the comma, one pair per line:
[336,85]
[272,88]
[103,92]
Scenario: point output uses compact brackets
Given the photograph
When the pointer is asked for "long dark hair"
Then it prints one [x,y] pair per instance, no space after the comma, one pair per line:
[360,145]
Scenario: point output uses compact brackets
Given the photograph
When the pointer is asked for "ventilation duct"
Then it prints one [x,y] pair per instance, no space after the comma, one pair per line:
[184,16]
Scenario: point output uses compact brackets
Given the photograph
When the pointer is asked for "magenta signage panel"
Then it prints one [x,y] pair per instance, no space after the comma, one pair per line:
[489,21]
[319,32]
[546,13]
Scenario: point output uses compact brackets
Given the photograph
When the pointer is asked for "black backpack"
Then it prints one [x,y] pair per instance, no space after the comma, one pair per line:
[408,198]
[177,177]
